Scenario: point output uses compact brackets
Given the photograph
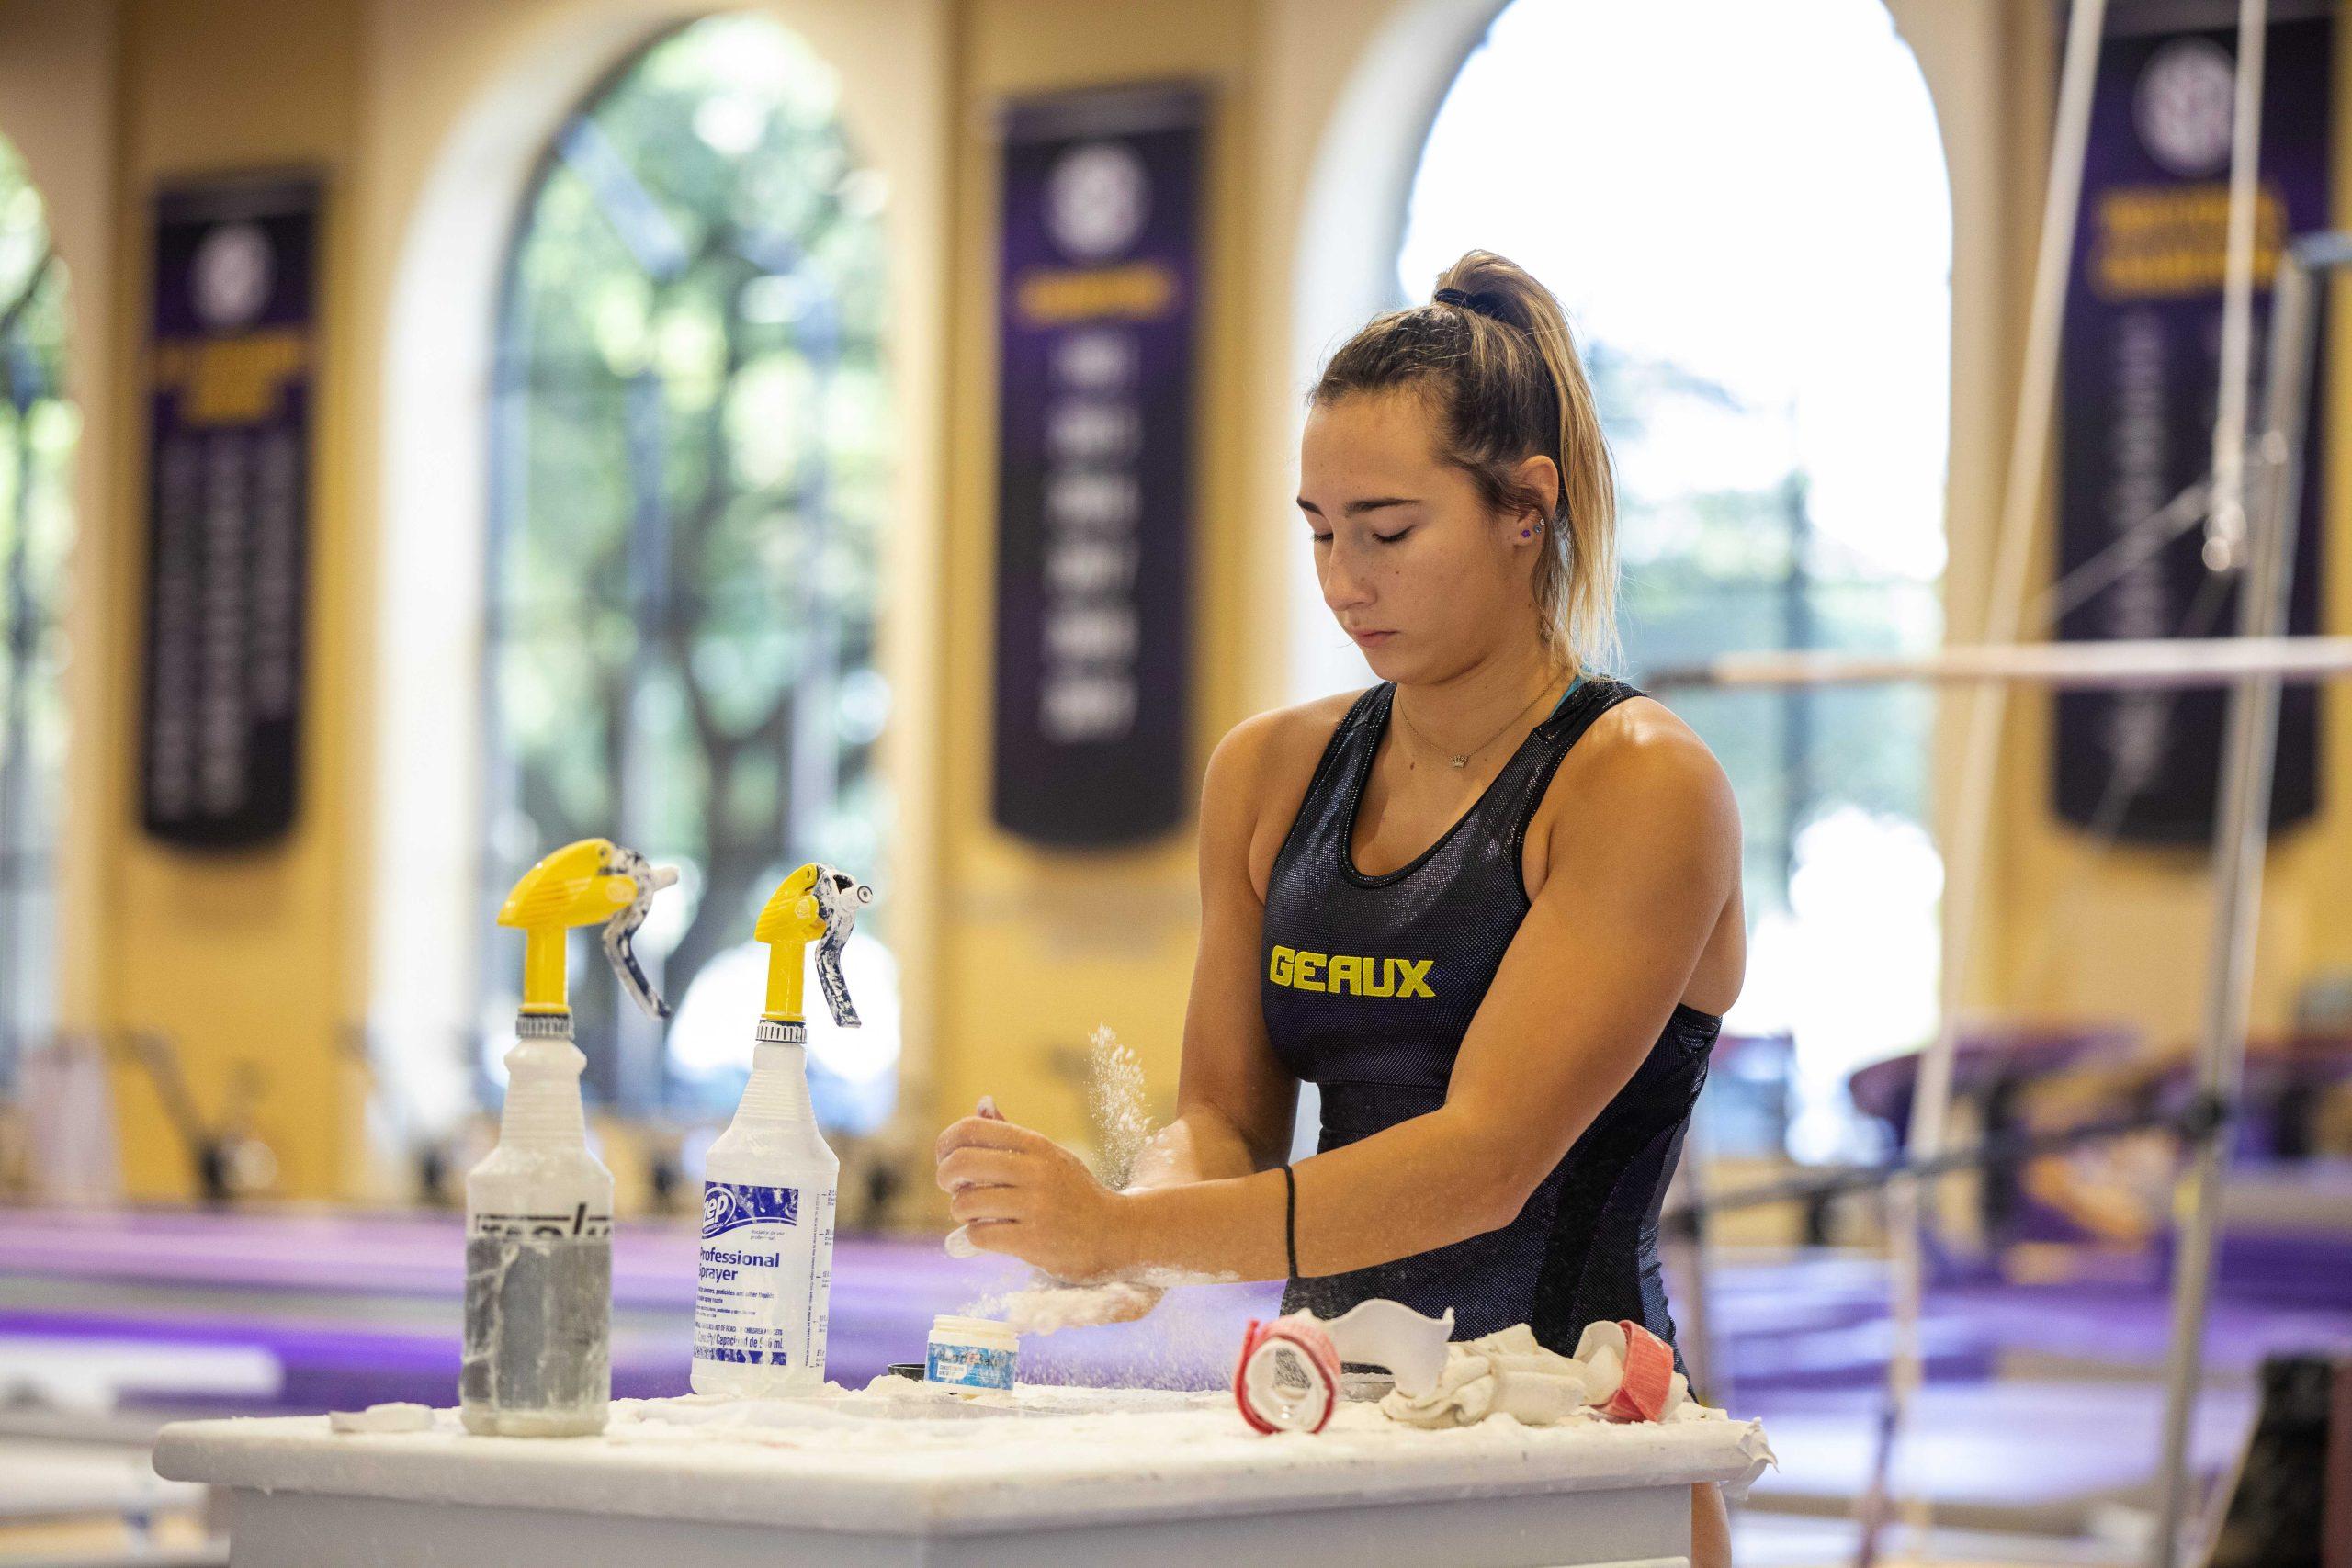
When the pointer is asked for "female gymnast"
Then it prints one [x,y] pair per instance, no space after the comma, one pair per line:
[1490,906]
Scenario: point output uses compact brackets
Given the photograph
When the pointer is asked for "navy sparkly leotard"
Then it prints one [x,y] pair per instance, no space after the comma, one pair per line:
[1368,984]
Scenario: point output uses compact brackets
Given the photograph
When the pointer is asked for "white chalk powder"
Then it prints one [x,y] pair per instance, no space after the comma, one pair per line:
[1114,1098]
[1047,1309]
[393,1418]
[1051,1433]
[1115,1101]
[888,1461]
[897,1424]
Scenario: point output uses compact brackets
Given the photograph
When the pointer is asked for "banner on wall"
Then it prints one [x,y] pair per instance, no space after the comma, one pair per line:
[232,352]
[1098,303]
[2140,379]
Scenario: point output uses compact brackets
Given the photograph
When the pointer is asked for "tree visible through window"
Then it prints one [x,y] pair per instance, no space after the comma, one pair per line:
[37,432]
[691,465]
[1746,210]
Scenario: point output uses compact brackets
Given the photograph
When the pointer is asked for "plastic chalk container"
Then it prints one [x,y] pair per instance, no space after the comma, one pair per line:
[967,1355]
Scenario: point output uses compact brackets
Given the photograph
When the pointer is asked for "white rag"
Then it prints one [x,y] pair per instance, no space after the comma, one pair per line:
[1510,1372]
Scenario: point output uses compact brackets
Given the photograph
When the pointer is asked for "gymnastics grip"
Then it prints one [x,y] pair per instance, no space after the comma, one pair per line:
[1288,1377]
[1629,1373]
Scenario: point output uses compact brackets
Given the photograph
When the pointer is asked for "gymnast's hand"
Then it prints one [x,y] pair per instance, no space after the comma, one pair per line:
[1018,1192]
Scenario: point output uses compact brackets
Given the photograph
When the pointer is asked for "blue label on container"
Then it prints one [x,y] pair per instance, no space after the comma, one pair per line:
[969,1366]
[726,1205]
[765,1275]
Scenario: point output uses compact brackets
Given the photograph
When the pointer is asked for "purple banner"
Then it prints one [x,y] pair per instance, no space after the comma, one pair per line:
[1097,311]
[229,368]
[2140,381]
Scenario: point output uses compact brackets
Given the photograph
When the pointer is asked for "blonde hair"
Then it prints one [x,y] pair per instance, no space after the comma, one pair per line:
[1492,355]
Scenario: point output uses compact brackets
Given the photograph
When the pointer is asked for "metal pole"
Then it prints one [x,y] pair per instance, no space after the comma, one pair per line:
[2240,838]
[2225,524]
[2122,664]
[1797,706]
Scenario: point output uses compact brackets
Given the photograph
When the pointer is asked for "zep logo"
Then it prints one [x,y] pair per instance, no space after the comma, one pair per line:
[1349,973]
[730,1205]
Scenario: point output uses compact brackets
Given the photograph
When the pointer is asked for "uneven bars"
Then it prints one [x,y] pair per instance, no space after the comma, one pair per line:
[2125,664]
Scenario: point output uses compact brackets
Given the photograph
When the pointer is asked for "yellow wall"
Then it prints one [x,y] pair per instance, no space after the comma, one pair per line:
[1014,954]
[239,960]
[1040,947]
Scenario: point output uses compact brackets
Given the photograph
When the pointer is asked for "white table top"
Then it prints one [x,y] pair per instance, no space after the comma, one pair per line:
[902,1459]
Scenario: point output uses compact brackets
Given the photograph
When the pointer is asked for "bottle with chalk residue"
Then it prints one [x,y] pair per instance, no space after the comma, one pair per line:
[539,1208]
[763,1296]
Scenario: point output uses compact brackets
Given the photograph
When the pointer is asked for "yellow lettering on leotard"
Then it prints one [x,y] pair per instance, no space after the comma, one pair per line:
[1350,975]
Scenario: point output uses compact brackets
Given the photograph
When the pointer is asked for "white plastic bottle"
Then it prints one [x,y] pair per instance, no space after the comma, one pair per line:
[539,1207]
[763,1299]
[538,1256]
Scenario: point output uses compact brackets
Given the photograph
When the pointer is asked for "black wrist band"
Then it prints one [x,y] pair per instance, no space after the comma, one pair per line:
[1290,1218]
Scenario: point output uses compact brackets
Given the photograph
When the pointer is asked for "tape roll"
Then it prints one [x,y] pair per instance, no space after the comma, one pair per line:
[1649,1376]
[1287,1379]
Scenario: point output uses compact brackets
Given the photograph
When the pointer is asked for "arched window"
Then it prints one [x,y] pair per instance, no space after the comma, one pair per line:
[691,455]
[37,432]
[1746,210]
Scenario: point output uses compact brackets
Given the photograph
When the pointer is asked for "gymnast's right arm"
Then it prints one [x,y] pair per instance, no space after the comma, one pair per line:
[1234,1102]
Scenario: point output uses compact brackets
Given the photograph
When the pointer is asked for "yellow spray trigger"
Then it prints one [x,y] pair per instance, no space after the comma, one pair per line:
[814,904]
[593,882]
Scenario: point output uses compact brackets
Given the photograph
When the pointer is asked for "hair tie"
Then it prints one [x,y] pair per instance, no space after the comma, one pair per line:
[1478,300]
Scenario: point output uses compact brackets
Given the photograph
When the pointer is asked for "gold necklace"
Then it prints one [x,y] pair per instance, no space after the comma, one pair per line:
[1461,760]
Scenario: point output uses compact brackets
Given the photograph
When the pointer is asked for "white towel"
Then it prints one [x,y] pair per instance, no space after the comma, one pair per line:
[1510,1372]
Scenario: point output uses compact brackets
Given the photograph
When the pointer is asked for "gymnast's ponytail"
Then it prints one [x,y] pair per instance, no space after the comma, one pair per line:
[1493,353]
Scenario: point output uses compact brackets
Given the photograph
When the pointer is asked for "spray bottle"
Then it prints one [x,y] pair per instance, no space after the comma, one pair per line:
[539,1208]
[762,1297]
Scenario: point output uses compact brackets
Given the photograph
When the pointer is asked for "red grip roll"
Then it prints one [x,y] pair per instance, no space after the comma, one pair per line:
[1649,1376]
[1287,1379]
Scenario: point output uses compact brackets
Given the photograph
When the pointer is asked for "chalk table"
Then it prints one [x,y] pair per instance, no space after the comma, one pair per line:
[903,1476]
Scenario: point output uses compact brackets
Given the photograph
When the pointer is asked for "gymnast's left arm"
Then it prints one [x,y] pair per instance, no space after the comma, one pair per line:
[1639,870]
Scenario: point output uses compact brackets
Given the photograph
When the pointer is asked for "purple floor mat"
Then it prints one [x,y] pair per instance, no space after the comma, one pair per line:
[358,1309]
